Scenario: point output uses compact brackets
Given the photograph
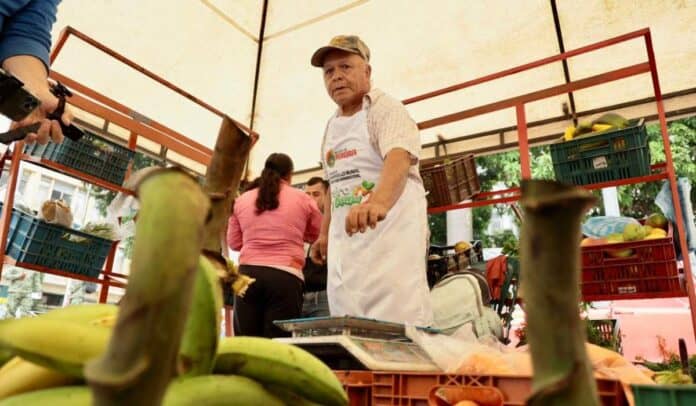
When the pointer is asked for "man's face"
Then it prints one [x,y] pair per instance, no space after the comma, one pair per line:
[316,192]
[346,77]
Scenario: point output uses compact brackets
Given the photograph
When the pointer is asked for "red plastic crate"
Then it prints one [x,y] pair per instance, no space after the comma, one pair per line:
[412,388]
[651,270]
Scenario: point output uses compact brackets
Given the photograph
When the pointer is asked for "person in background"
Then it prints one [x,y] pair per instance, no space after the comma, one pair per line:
[269,225]
[37,292]
[22,285]
[74,292]
[25,43]
[315,303]
[375,228]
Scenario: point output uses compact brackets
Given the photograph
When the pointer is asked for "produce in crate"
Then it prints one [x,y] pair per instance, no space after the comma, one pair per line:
[672,378]
[606,122]
[103,230]
[657,220]
[631,232]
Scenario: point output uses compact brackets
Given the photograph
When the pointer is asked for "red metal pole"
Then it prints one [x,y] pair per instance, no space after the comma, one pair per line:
[106,279]
[6,215]
[602,78]
[523,141]
[98,45]
[58,45]
[159,137]
[671,175]
[77,87]
[531,65]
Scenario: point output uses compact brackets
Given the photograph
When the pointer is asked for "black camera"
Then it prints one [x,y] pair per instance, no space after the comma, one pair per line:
[15,101]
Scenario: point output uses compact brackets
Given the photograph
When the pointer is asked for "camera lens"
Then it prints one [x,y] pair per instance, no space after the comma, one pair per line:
[29,104]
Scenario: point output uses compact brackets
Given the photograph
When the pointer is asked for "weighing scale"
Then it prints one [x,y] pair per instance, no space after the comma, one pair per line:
[354,343]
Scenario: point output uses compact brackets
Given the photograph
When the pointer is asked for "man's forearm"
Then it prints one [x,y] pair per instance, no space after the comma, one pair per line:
[326,216]
[393,178]
[29,70]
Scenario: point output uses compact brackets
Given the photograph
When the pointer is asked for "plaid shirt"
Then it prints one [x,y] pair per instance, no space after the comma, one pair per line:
[389,126]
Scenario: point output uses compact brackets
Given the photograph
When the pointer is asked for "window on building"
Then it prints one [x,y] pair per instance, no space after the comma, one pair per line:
[45,188]
[63,191]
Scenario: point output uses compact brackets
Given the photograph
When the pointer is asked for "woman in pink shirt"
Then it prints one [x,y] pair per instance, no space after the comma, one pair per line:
[269,225]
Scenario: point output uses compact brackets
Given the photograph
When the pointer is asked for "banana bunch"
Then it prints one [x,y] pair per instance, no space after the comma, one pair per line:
[675,377]
[49,353]
[209,390]
[606,122]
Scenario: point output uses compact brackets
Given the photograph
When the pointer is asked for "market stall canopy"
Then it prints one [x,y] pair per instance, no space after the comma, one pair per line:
[210,48]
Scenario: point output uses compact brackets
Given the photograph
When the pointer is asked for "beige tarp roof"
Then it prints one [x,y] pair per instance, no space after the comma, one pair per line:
[209,48]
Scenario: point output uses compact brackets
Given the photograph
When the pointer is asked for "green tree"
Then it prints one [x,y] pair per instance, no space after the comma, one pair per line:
[639,200]
[438,228]
[634,200]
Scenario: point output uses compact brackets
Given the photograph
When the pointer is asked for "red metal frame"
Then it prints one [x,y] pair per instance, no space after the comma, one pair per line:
[67,31]
[112,111]
[121,108]
[519,103]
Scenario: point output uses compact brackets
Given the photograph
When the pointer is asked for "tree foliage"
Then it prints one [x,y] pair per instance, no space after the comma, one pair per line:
[503,169]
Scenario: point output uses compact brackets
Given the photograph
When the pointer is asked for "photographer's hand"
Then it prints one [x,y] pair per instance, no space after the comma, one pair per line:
[32,72]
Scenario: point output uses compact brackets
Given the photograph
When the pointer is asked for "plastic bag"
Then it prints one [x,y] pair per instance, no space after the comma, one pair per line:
[103,230]
[125,205]
[57,212]
[664,202]
[602,226]
[463,353]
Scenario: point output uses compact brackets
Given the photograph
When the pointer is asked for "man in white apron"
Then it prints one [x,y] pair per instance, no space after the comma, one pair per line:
[374,234]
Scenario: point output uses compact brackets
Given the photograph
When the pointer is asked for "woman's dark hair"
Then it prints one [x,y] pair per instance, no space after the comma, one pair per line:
[278,166]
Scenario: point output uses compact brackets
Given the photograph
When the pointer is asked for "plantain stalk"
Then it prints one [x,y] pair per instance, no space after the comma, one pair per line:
[200,340]
[141,357]
[550,266]
[221,184]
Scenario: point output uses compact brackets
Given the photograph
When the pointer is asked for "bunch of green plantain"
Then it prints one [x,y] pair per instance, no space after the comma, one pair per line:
[674,377]
[606,122]
[50,351]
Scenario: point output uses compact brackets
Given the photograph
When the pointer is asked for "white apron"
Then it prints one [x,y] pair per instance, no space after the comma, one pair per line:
[380,274]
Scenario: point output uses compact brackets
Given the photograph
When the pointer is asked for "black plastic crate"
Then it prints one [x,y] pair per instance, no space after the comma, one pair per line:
[92,154]
[34,241]
[613,155]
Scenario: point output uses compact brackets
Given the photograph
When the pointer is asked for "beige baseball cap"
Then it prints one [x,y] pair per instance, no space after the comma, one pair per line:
[348,43]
